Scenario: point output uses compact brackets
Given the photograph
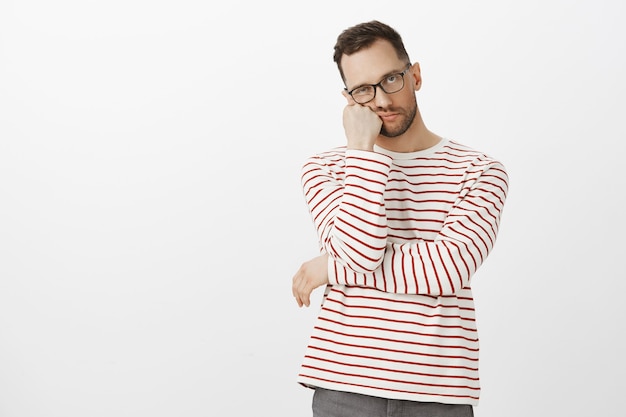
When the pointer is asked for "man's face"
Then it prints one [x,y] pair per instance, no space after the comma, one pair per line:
[370,66]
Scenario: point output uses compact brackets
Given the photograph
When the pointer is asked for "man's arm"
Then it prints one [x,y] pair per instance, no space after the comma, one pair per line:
[349,213]
[360,238]
[351,222]
[444,265]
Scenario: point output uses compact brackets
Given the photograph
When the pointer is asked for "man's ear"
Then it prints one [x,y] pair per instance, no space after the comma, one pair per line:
[417,76]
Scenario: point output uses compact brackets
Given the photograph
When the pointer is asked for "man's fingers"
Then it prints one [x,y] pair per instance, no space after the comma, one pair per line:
[303,296]
[311,275]
[299,289]
[302,299]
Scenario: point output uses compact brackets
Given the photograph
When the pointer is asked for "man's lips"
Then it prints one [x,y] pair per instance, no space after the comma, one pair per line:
[388,117]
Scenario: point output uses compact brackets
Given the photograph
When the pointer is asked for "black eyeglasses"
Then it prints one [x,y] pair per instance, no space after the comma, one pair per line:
[392,83]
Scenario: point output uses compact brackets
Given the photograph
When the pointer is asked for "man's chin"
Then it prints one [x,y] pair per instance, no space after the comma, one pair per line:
[393,134]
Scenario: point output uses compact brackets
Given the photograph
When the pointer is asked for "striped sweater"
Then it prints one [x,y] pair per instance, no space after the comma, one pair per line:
[405,233]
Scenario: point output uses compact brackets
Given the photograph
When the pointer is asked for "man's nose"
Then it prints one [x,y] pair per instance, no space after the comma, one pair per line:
[382,98]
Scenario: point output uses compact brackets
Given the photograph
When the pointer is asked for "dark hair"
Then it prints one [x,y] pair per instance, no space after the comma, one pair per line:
[363,36]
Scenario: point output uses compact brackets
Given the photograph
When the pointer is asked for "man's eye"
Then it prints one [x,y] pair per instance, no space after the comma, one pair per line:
[362,90]
[392,79]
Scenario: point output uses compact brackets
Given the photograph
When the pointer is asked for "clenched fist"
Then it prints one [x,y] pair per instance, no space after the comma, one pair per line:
[362,126]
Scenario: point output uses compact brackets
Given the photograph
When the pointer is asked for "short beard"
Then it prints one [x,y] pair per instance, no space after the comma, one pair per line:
[403,127]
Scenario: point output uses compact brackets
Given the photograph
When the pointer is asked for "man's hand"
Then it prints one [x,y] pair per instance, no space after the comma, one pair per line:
[361,124]
[312,274]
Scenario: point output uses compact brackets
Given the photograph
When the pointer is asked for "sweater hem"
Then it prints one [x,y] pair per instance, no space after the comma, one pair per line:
[389,393]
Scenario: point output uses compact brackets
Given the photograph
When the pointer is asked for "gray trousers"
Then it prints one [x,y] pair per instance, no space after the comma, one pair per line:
[327,403]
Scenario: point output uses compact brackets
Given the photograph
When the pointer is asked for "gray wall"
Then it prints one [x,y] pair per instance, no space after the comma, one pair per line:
[151,216]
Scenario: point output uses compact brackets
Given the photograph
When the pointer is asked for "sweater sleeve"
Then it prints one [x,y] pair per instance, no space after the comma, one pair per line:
[444,265]
[349,212]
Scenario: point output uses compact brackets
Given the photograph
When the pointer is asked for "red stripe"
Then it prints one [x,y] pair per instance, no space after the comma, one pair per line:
[390,370]
[398,351]
[405,301]
[397,321]
[411,362]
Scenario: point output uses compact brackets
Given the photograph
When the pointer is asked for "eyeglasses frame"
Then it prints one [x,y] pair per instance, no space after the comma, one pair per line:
[380,85]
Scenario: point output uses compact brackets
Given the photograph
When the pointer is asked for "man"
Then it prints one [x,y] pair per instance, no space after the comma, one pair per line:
[404,219]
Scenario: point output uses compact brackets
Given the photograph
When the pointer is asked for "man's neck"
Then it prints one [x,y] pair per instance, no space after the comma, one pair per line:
[417,138]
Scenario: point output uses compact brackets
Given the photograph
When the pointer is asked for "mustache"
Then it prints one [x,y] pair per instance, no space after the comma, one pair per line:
[388,110]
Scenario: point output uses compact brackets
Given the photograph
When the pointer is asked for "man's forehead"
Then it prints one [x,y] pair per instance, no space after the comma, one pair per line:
[370,65]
